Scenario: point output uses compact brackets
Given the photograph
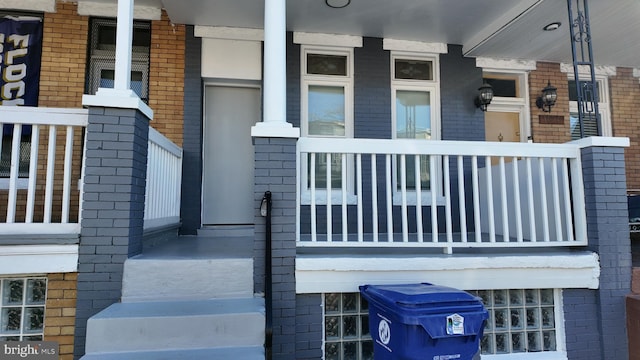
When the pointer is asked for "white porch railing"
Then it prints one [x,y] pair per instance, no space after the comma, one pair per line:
[40,171]
[164,179]
[532,197]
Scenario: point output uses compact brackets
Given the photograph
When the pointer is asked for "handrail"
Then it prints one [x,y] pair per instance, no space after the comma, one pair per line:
[265,210]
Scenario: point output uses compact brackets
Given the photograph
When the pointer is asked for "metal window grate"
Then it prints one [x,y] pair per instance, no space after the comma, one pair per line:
[22,309]
[102,53]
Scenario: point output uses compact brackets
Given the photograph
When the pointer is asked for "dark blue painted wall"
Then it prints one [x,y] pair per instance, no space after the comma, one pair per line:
[190,208]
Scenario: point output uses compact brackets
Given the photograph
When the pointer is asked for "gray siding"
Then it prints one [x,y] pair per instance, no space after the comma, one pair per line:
[190,209]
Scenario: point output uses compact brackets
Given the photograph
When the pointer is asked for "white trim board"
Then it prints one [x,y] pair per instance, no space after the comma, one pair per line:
[91,8]
[30,5]
[38,259]
[336,273]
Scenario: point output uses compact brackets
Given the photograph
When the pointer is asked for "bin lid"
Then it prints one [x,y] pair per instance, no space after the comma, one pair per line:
[428,305]
[418,295]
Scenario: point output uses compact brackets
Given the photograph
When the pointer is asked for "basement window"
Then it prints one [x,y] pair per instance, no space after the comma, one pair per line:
[22,309]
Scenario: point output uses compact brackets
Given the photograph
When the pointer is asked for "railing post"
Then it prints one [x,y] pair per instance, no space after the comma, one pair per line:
[112,209]
[603,168]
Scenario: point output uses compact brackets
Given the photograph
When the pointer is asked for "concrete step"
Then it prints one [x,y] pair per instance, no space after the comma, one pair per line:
[149,278]
[174,325]
[239,353]
[227,230]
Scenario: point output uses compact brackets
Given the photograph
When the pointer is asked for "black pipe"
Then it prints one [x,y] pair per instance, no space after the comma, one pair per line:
[268,279]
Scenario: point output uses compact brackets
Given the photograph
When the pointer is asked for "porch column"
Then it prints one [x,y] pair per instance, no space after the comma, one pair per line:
[595,319]
[274,122]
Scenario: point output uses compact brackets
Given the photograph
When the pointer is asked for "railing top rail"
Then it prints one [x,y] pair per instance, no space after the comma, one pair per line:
[44,115]
[157,138]
[437,147]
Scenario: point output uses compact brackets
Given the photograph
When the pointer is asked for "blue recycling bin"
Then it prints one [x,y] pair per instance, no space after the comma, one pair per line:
[424,321]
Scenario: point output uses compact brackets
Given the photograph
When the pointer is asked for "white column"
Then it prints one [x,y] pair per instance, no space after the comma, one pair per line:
[124,38]
[274,122]
[121,96]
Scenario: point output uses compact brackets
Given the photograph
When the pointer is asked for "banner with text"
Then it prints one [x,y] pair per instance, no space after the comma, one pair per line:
[20,54]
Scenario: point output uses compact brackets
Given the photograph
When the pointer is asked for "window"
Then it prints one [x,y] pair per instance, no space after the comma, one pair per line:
[520,321]
[24,149]
[102,50]
[590,121]
[346,324]
[416,115]
[22,309]
[327,111]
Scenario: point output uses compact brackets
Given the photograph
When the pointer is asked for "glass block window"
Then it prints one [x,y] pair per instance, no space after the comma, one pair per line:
[346,327]
[102,54]
[22,309]
[520,321]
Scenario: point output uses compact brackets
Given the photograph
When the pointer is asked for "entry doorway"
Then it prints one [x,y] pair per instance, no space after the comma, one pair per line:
[228,154]
[502,127]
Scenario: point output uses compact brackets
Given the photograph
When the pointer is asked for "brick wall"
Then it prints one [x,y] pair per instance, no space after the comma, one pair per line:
[60,312]
[64,53]
[275,171]
[538,79]
[309,326]
[625,117]
[166,78]
[633,325]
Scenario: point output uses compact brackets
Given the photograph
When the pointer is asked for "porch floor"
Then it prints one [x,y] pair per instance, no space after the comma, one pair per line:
[202,247]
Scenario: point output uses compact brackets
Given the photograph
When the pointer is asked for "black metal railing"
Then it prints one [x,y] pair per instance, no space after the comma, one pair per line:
[265,210]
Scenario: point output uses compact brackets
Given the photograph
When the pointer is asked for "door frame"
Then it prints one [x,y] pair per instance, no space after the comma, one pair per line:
[236,83]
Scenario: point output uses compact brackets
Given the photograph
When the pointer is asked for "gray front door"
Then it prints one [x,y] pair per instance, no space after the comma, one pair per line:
[227,185]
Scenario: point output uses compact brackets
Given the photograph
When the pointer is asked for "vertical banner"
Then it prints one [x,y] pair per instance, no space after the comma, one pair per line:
[20,53]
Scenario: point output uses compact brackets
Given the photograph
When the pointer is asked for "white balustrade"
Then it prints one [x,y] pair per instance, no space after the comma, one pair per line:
[389,195]
[40,201]
[164,181]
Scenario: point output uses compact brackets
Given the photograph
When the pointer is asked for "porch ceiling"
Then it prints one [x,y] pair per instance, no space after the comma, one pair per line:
[497,28]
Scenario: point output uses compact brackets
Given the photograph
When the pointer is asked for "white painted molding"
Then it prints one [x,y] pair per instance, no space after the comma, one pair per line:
[38,259]
[117,99]
[228,33]
[583,70]
[414,46]
[90,8]
[318,274]
[334,40]
[602,141]
[636,73]
[505,64]
[275,129]
[30,5]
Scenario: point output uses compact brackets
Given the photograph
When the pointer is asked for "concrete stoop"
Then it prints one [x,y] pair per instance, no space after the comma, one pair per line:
[183,308]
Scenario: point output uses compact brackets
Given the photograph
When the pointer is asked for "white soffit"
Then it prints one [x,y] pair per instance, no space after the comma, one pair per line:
[318,274]
[414,46]
[350,41]
[505,64]
[88,8]
[29,5]
[228,33]
[38,259]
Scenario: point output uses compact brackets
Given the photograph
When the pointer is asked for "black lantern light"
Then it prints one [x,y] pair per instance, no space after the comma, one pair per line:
[485,95]
[548,98]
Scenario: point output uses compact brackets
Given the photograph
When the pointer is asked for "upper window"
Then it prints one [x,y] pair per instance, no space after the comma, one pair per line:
[327,111]
[590,122]
[102,54]
[416,115]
